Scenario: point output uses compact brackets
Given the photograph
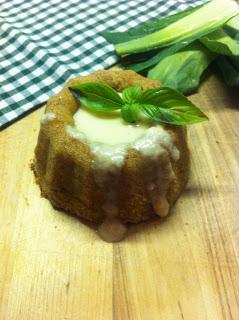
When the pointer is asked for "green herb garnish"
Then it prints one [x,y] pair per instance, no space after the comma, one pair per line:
[164,105]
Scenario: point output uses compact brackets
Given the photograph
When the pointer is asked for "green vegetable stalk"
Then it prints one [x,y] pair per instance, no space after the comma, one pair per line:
[177,49]
[228,70]
[232,27]
[205,19]
[146,27]
[220,42]
[183,70]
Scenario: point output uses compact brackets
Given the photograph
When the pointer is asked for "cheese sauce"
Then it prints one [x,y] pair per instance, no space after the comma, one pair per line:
[109,139]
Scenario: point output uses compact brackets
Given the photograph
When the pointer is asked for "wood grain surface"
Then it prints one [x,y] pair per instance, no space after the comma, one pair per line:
[53,267]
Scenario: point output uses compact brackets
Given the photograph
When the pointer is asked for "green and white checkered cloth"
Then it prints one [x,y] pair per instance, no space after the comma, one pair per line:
[44,43]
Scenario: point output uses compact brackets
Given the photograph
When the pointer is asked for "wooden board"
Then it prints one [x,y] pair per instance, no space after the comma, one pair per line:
[53,267]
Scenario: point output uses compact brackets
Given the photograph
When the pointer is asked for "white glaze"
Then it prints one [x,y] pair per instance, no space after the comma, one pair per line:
[110,138]
[112,230]
[46,117]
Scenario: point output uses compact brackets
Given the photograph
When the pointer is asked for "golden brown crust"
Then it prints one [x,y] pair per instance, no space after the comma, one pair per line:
[63,165]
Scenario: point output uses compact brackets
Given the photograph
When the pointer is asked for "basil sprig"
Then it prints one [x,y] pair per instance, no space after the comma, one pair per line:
[163,104]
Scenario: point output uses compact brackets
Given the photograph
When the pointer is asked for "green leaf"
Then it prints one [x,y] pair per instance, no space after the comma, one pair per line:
[156,96]
[100,89]
[130,95]
[97,96]
[205,19]
[169,106]
[183,70]
[160,104]
[220,42]
[145,28]
[228,71]
[179,116]
[130,112]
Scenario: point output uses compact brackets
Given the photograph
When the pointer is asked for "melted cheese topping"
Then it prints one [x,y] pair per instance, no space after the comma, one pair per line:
[110,138]
[46,117]
[106,128]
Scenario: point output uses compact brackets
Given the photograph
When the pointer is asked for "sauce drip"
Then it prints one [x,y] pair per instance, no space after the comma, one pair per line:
[46,117]
[109,139]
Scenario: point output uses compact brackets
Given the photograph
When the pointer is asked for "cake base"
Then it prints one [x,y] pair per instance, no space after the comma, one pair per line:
[63,165]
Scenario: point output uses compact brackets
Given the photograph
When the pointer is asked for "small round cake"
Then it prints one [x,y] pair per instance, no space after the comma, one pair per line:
[107,171]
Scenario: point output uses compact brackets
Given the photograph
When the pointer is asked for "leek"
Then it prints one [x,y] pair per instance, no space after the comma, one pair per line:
[229,72]
[183,70]
[205,19]
[235,62]
[232,27]
[156,58]
[145,28]
[160,54]
[220,42]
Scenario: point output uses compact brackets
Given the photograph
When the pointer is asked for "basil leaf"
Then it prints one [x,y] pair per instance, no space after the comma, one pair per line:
[157,96]
[97,97]
[100,89]
[169,106]
[175,116]
[160,104]
[130,112]
[145,28]
[130,95]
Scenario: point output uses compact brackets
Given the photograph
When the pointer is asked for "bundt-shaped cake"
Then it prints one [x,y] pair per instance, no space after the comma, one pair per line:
[129,181]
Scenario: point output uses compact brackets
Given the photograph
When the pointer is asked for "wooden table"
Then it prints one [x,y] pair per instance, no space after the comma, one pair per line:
[54,267]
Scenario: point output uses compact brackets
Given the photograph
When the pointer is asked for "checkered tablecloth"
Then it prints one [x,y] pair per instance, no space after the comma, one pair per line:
[44,43]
